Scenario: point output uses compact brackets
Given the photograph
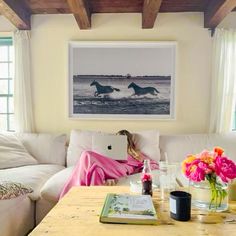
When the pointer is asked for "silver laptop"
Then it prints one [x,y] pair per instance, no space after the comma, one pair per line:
[112,146]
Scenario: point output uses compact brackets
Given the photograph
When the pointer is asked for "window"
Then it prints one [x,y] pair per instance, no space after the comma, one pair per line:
[6,85]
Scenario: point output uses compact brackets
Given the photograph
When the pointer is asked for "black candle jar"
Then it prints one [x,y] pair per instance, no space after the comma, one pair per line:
[180,205]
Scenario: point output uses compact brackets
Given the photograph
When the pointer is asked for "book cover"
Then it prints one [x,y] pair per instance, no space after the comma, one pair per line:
[128,209]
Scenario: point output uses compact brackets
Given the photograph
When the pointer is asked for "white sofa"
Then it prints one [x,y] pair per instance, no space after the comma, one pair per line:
[20,215]
[175,147]
[146,141]
[49,175]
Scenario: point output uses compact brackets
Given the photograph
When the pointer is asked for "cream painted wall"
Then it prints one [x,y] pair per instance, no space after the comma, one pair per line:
[50,36]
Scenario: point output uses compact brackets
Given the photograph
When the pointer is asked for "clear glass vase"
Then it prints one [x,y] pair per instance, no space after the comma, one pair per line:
[205,197]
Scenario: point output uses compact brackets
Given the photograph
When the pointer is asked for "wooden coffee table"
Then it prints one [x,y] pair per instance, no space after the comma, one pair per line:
[77,214]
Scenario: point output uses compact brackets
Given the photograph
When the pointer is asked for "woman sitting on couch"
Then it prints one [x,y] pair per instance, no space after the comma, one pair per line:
[95,169]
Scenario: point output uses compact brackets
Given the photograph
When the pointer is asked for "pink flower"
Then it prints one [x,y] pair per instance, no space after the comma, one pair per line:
[209,163]
[205,154]
[206,157]
[225,168]
[207,168]
[189,159]
[194,171]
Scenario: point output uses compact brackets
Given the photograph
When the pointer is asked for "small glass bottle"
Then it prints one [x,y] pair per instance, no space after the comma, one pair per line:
[146,178]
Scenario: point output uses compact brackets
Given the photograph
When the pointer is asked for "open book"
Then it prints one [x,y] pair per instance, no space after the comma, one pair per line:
[128,209]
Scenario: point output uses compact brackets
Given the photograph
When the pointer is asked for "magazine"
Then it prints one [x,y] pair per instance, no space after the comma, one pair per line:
[128,209]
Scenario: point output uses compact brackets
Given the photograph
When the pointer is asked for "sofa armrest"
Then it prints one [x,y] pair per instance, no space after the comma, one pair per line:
[52,188]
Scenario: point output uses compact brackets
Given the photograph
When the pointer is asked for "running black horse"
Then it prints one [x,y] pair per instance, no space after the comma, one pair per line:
[101,89]
[143,91]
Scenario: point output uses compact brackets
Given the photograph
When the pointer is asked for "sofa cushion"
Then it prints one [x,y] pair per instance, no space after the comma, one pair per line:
[79,141]
[46,148]
[53,187]
[146,141]
[9,190]
[13,153]
[177,147]
[33,176]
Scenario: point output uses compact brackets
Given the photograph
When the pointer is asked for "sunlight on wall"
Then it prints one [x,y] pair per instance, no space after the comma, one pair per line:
[50,37]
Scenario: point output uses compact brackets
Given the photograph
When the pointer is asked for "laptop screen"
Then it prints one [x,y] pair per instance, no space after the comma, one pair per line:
[112,146]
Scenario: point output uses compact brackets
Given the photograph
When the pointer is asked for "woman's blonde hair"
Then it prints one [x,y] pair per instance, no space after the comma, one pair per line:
[131,149]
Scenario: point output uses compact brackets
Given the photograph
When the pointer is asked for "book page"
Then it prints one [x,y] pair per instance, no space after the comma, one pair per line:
[136,207]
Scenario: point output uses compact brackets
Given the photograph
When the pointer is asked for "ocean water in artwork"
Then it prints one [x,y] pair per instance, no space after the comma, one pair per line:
[115,94]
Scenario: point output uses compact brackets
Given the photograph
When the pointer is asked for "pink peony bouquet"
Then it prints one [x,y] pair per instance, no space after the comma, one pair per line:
[212,166]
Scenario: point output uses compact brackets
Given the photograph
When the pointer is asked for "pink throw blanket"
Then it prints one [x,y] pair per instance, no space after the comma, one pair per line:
[94,169]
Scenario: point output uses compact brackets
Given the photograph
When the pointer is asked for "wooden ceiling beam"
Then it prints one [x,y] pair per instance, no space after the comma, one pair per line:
[216,11]
[150,11]
[17,12]
[82,13]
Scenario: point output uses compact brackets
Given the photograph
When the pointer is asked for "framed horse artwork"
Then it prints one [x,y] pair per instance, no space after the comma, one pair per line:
[122,80]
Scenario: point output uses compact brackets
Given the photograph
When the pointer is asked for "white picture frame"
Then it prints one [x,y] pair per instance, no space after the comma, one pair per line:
[122,80]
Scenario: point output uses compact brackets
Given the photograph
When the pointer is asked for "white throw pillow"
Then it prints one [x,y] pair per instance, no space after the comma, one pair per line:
[46,148]
[13,153]
[79,141]
[146,141]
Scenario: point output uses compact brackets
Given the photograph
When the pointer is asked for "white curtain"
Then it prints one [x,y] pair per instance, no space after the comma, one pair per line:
[23,105]
[223,81]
